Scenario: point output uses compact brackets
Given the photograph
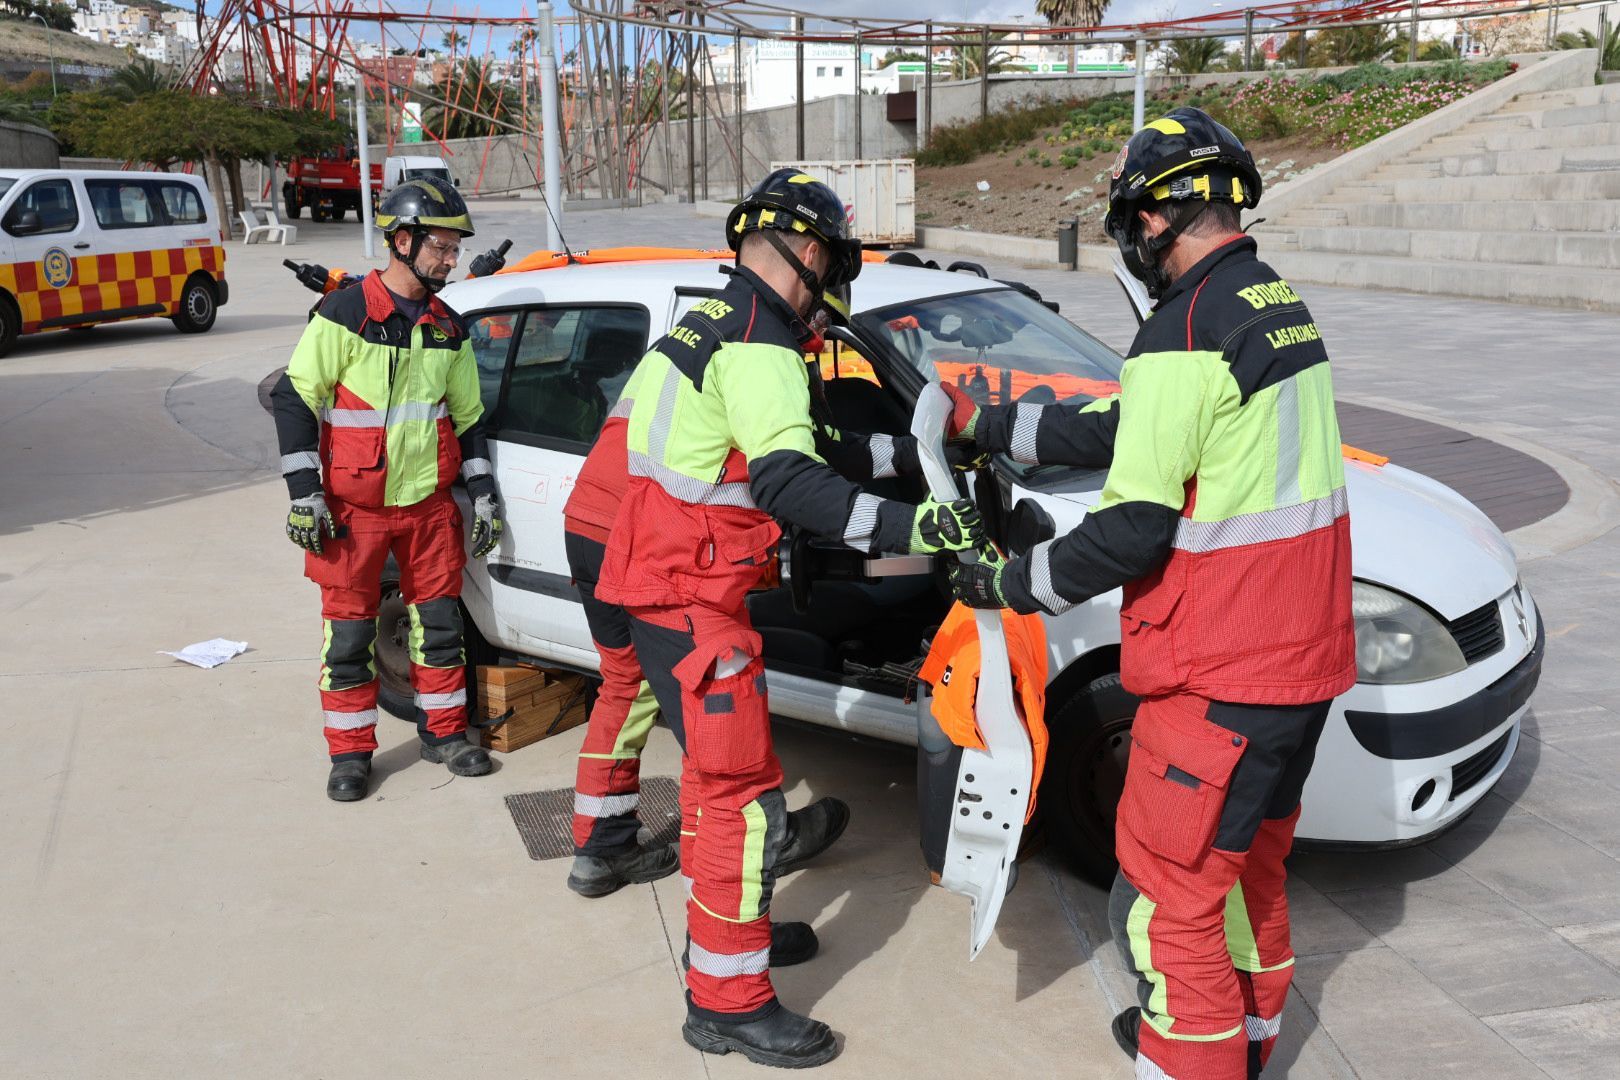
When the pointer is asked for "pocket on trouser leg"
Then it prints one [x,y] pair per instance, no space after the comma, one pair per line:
[1176,781]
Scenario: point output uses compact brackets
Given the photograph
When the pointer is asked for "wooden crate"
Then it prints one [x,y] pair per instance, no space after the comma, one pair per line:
[508,689]
[556,706]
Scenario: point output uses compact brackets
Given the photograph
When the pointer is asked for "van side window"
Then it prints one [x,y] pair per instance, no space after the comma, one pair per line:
[125,204]
[53,201]
[184,205]
[567,369]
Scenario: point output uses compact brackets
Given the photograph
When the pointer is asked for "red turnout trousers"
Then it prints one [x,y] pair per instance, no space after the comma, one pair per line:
[426,543]
[704,667]
[1198,907]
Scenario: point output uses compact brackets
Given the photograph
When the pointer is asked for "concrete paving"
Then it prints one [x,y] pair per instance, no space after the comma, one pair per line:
[182,900]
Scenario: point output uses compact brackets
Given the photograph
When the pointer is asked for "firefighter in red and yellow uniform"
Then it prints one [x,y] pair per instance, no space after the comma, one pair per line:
[719,443]
[1225,520]
[376,415]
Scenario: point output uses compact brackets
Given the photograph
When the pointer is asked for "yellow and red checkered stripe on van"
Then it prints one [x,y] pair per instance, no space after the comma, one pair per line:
[106,282]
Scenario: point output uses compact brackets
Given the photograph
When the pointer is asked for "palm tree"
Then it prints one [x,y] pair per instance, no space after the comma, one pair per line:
[470,87]
[1609,50]
[1071,13]
[1193,56]
[143,78]
[970,60]
[453,40]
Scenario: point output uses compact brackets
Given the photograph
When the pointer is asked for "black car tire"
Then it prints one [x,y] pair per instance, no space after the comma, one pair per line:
[10,323]
[394,693]
[199,305]
[1085,773]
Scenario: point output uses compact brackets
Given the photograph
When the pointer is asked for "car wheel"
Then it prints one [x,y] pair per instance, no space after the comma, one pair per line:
[199,305]
[289,203]
[1085,774]
[395,695]
[317,212]
[10,323]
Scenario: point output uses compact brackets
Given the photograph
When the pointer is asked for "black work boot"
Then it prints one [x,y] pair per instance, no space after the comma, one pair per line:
[810,832]
[781,1038]
[598,875]
[347,780]
[459,756]
[791,943]
[1127,1029]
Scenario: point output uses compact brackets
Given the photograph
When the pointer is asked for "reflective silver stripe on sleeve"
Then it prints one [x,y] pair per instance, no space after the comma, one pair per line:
[621,408]
[442,701]
[1026,420]
[1259,1030]
[477,466]
[1280,524]
[601,806]
[304,459]
[353,418]
[349,721]
[863,518]
[730,965]
[1040,579]
[882,447]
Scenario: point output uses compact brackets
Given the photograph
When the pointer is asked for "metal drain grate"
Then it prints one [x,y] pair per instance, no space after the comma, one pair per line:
[545,819]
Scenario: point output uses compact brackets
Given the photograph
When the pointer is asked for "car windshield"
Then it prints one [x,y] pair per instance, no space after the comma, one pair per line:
[1000,346]
[5,183]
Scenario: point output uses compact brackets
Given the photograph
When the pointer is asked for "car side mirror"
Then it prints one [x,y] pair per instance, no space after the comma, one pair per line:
[24,223]
[456,180]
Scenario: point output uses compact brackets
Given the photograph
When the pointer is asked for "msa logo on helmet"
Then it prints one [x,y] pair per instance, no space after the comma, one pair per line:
[807,212]
[1204,151]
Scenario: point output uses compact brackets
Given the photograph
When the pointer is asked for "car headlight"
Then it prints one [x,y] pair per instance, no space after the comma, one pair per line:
[1397,641]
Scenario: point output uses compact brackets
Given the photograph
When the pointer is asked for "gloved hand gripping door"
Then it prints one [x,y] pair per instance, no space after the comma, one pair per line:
[972,802]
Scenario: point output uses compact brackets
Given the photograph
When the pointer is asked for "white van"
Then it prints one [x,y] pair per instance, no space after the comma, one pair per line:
[397,170]
[80,247]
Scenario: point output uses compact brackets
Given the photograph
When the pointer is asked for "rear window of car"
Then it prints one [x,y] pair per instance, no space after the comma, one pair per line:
[183,203]
[126,204]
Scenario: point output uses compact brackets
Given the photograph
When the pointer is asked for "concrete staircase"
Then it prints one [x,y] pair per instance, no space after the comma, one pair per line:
[1522,203]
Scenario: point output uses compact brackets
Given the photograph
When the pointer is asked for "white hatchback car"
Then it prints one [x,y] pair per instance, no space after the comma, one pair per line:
[1449,643]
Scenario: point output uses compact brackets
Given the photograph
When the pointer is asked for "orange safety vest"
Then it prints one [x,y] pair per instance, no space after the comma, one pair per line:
[952,669]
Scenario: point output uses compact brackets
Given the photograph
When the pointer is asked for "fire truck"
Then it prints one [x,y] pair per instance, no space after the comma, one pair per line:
[328,183]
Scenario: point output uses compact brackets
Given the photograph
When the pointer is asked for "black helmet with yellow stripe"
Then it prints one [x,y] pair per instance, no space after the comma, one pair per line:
[429,202]
[792,201]
[1183,159]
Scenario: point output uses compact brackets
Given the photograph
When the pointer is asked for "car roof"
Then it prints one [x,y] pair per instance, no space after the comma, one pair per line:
[97,174]
[879,286]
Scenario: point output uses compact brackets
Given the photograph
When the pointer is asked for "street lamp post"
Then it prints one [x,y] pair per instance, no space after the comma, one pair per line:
[50,45]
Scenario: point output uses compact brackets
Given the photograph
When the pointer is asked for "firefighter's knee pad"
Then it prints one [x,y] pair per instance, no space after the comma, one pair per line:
[436,633]
[347,658]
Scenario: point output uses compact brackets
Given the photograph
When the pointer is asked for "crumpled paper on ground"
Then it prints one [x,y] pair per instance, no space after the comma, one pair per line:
[210,653]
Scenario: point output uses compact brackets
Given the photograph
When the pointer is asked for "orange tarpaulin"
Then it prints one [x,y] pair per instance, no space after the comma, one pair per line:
[550,260]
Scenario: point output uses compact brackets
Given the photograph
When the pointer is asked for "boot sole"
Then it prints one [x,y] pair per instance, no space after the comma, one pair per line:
[721,1044]
[345,796]
[800,863]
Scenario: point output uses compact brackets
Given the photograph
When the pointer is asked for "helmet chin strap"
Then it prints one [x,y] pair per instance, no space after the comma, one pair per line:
[431,284]
[1148,262]
[811,282]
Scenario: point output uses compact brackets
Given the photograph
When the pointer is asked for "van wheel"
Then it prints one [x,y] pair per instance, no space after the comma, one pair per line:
[1085,774]
[394,693]
[10,323]
[199,305]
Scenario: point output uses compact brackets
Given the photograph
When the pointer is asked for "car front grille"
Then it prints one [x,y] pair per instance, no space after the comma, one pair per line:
[1468,772]
[1479,633]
